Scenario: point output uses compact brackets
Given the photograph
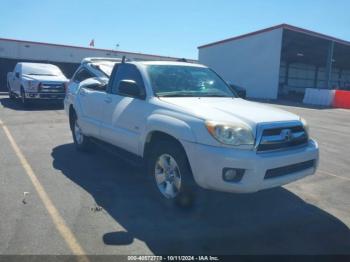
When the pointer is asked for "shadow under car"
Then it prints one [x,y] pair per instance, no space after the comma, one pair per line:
[273,221]
[34,105]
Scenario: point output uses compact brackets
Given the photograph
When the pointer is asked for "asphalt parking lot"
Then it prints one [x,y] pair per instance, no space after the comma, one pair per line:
[110,208]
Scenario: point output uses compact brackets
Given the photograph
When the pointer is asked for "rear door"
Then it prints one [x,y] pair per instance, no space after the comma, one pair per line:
[123,118]
[86,101]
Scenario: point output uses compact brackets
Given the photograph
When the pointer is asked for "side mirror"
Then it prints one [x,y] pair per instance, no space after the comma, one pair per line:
[17,74]
[94,83]
[130,88]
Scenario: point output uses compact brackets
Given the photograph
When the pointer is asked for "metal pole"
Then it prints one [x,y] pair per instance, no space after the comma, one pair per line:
[328,71]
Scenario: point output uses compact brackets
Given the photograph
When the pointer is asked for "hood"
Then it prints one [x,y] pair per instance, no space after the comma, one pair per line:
[44,78]
[234,110]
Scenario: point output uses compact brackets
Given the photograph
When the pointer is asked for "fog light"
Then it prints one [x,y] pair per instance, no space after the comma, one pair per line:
[232,174]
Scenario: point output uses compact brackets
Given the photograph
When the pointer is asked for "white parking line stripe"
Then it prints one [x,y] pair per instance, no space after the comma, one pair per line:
[57,219]
[330,174]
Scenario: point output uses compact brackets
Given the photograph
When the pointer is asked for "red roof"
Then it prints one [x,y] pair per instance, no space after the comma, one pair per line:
[283,26]
[87,48]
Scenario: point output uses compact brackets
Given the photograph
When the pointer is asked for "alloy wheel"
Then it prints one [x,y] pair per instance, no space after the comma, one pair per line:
[167,175]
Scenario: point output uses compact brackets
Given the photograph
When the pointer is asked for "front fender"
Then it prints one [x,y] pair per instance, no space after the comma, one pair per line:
[25,84]
[170,125]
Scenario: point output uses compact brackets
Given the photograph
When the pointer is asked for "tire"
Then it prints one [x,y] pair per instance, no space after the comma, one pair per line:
[24,100]
[81,142]
[11,94]
[174,154]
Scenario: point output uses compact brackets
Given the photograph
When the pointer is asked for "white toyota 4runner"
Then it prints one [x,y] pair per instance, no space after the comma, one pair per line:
[190,129]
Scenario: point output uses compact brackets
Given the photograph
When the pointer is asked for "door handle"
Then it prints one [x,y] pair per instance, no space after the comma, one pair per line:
[108,100]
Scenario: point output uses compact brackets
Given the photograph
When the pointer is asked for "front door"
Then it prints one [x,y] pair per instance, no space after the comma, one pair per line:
[123,118]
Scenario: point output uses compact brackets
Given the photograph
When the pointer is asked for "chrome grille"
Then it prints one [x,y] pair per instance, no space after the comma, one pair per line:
[52,88]
[281,136]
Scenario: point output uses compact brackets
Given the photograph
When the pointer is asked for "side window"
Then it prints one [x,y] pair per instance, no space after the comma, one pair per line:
[126,72]
[18,70]
[81,75]
[112,77]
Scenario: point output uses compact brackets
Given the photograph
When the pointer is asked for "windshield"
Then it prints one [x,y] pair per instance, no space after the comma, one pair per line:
[41,69]
[187,81]
[106,67]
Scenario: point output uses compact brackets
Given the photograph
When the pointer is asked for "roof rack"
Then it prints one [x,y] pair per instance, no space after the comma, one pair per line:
[125,60]
[182,60]
[96,59]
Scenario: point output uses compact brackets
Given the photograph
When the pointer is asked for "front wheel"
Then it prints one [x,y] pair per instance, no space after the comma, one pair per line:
[11,94]
[24,100]
[171,174]
[81,142]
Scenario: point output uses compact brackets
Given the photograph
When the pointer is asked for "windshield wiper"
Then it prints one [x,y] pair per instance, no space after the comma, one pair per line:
[34,74]
[214,95]
[176,95]
[192,95]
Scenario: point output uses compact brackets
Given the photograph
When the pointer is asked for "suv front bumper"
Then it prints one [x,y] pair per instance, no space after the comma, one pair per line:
[45,95]
[208,163]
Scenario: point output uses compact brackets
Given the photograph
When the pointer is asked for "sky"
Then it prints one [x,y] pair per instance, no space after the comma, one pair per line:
[163,27]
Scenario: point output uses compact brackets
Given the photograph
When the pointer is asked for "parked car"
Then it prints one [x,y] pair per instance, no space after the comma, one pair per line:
[190,129]
[34,81]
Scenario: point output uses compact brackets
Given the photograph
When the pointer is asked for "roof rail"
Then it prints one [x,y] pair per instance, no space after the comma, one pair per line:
[96,59]
[182,60]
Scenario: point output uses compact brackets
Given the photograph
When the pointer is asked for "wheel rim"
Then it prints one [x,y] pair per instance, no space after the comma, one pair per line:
[167,175]
[77,133]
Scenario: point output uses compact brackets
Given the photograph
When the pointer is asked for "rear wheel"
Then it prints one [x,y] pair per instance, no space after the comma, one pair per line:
[81,142]
[171,173]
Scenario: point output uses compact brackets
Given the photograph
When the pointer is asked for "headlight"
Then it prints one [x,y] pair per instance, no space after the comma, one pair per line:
[305,125]
[230,134]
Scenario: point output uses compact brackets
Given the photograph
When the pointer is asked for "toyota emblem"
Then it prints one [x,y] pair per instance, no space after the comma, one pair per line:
[287,134]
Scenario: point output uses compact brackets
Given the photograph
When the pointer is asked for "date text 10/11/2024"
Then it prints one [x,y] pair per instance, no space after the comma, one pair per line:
[173,258]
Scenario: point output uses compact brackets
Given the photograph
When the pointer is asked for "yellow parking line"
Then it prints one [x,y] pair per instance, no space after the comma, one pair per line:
[57,219]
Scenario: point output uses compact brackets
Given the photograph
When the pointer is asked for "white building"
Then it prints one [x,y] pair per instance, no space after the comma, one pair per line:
[64,56]
[280,61]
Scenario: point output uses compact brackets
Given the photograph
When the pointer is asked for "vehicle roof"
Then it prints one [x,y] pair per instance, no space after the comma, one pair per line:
[175,63]
[33,65]
[99,59]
